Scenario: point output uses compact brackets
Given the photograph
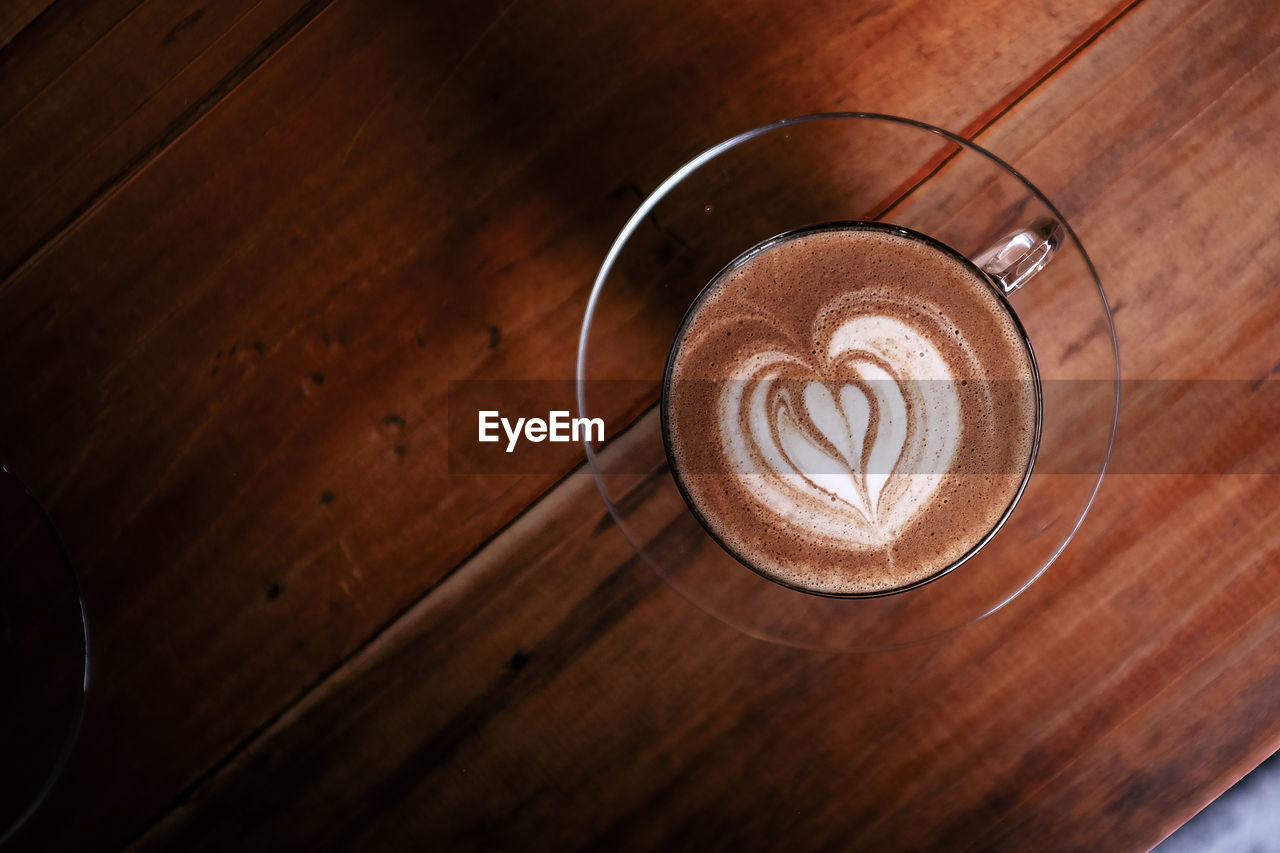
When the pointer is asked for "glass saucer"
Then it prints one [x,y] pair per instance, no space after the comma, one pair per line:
[794,174]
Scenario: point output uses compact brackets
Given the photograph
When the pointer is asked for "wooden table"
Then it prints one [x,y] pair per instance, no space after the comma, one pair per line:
[245,246]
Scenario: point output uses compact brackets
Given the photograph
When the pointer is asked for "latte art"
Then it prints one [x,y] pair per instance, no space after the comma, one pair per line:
[830,415]
[810,441]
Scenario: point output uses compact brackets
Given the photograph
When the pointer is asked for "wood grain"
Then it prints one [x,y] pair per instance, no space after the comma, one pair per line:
[50,44]
[553,691]
[17,15]
[227,373]
[138,86]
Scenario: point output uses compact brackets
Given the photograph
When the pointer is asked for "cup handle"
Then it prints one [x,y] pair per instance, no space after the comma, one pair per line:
[1012,260]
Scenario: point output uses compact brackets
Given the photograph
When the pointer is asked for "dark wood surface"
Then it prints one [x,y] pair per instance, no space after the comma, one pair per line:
[17,15]
[245,248]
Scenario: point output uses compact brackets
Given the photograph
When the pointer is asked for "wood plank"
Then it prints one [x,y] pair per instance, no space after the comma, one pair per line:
[143,81]
[229,379]
[552,689]
[641,741]
[17,15]
[49,44]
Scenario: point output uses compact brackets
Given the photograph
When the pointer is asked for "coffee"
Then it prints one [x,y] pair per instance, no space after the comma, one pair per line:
[850,409]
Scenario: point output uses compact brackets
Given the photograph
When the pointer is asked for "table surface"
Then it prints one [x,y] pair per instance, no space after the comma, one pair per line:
[245,246]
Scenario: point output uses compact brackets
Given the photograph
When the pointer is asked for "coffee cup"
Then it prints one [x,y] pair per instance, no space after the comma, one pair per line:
[853,409]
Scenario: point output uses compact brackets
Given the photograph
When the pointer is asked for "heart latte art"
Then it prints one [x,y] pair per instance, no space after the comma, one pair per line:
[850,409]
[834,442]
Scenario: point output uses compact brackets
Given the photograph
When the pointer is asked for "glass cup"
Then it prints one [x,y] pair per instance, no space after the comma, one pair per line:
[1004,266]
[44,655]
[810,171]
